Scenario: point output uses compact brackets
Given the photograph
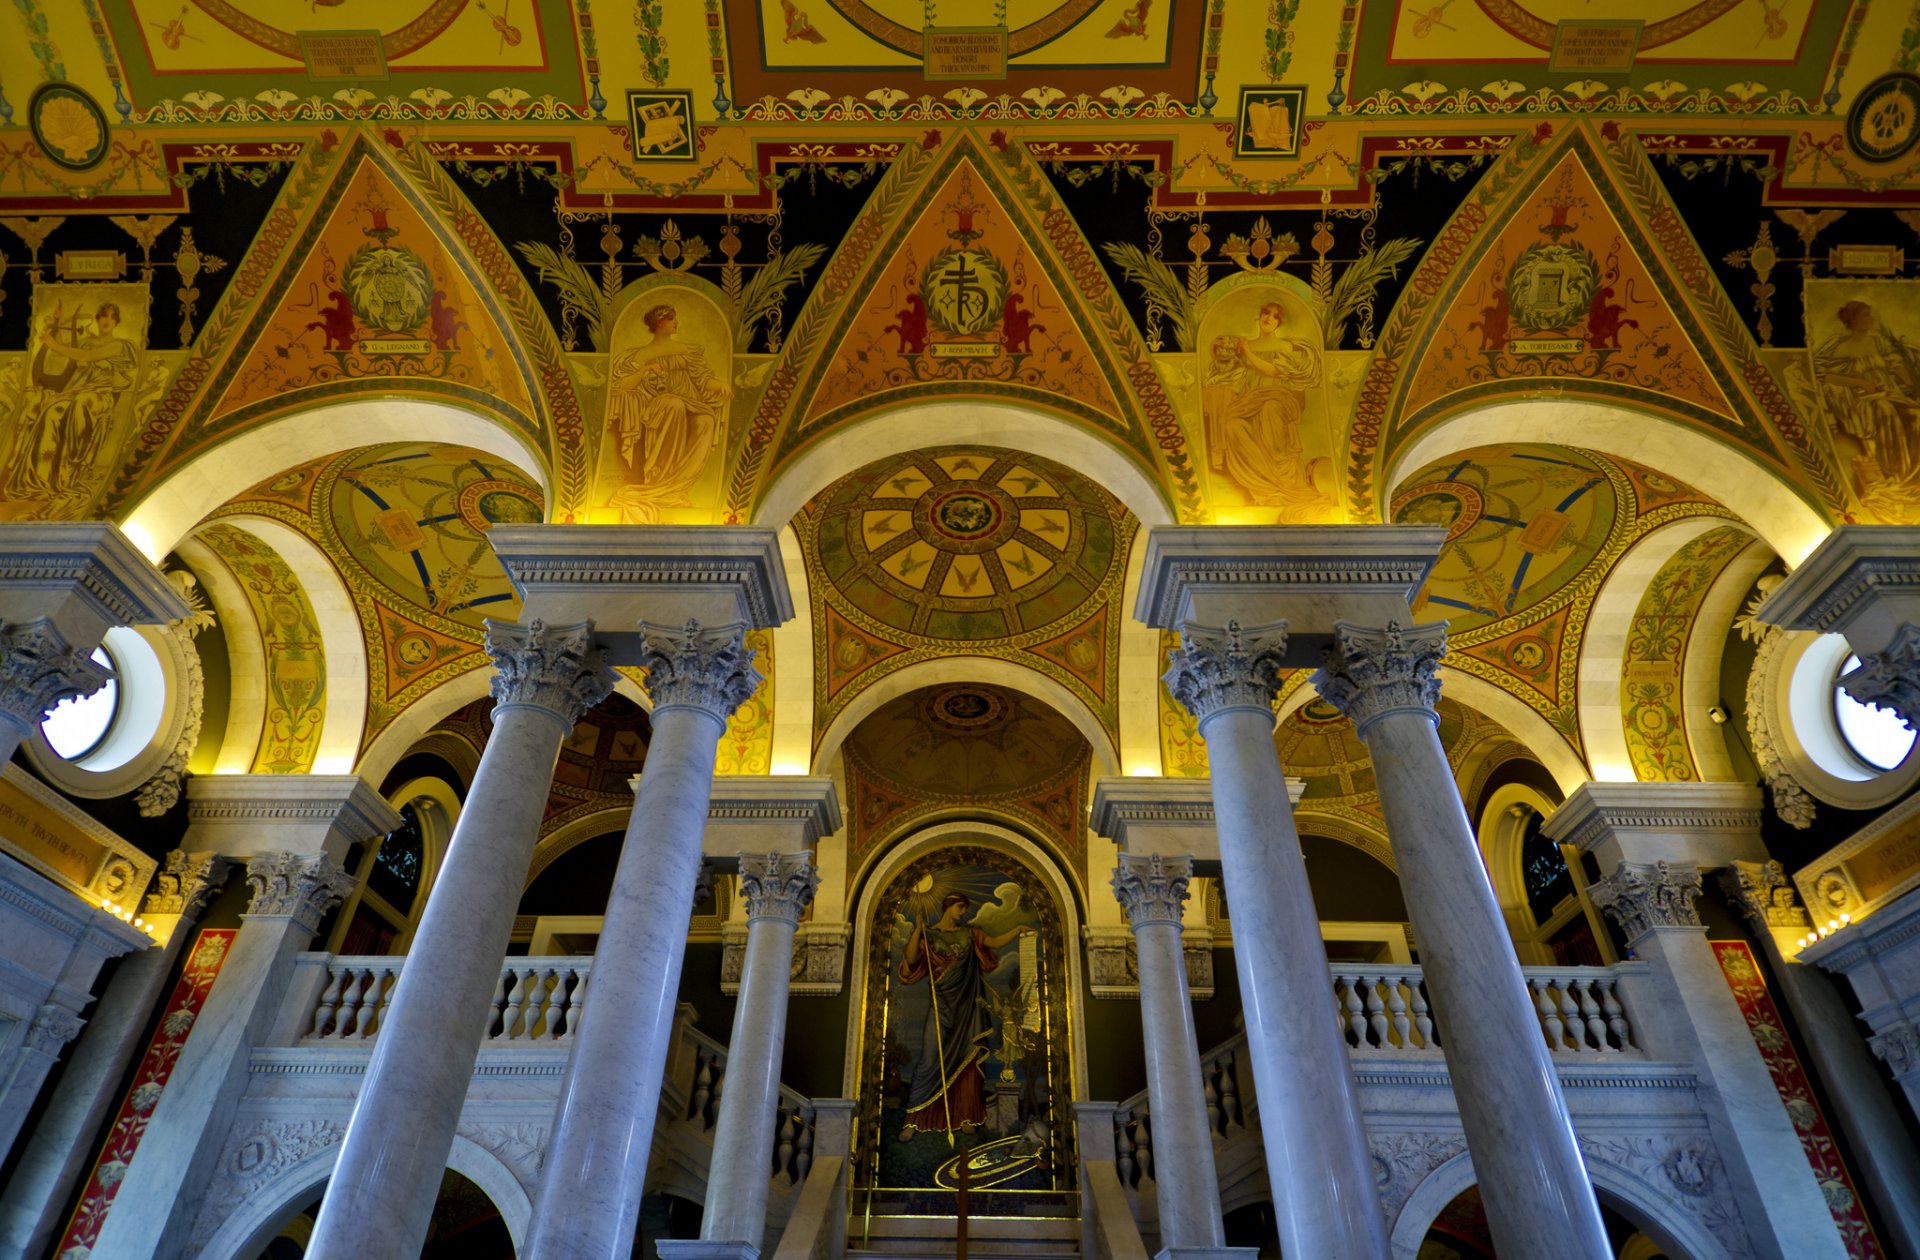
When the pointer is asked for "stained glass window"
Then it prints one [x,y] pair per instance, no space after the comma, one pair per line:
[1543,869]
[395,874]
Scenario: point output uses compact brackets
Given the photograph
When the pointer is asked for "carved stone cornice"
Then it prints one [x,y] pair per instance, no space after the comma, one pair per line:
[777,885]
[1853,568]
[1890,679]
[39,669]
[1642,896]
[1763,894]
[1371,674]
[806,804]
[56,564]
[557,669]
[623,574]
[53,1026]
[1709,823]
[1216,671]
[1212,565]
[186,882]
[697,668]
[1151,888]
[298,886]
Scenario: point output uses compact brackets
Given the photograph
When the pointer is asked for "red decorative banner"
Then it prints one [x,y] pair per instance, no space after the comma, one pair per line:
[203,966]
[1790,1078]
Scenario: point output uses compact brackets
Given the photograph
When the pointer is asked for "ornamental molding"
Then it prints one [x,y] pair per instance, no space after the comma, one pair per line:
[1121,802]
[1215,671]
[595,561]
[557,669]
[161,792]
[186,882]
[521,1147]
[1763,894]
[1898,1046]
[53,1026]
[94,560]
[1370,674]
[778,886]
[1265,560]
[39,668]
[298,886]
[810,802]
[695,667]
[1852,567]
[1685,1172]
[1643,896]
[1152,888]
[1113,963]
[1401,1161]
[257,1152]
[1597,810]
[819,965]
[1791,800]
[120,871]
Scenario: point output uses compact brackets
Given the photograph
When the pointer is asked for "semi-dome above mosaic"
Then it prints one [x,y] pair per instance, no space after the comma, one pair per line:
[966,739]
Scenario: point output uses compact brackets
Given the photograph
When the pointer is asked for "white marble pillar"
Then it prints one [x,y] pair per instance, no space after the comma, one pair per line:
[1152,889]
[160,1193]
[380,1200]
[1325,1200]
[777,888]
[1884,1155]
[63,584]
[1538,1198]
[590,1187]
[1863,581]
[56,1152]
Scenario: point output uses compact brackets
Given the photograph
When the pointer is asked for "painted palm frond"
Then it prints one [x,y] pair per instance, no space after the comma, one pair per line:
[1362,278]
[578,293]
[1164,291]
[761,295]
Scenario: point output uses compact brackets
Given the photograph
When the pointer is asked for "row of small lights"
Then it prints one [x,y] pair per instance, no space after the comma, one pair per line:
[125,915]
[1822,933]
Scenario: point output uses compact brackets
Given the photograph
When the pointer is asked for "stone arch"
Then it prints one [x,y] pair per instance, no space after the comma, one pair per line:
[1654,1213]
[263,1212]
[854,446]
[180,500]
[1759,494]
[878,871]
[579,831]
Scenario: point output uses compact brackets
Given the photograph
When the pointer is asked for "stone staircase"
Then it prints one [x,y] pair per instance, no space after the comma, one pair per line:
[918,1237]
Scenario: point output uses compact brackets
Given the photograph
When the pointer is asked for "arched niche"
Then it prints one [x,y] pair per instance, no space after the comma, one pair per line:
[854,446]
[1757,493]
[181,499]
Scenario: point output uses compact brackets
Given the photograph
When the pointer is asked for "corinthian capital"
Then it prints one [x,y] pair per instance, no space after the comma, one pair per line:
[1151,888]
[53,1026]
[696,668]
[1372,673]
[1642,896]
[1890,679]
[185,883]
[777,885]
[299,886]
[1761,891]
[554,668]
[39,669]
[1213,671]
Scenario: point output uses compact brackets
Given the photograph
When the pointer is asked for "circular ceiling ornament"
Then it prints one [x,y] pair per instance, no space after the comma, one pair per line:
[1454,504]
[971,709]
[1053,21]
[1884,122]
[1551,285]
[69,127]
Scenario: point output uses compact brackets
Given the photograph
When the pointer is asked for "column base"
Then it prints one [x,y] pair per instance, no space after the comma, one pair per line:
[705,1249]
[1208,1253]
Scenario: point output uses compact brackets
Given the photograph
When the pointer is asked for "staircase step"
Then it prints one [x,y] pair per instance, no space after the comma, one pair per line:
[917,1237]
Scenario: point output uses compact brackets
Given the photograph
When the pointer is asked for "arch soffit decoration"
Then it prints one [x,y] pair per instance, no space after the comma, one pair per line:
[876,874]
[263,1213]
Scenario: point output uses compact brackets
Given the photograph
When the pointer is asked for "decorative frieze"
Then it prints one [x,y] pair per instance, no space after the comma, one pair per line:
[186,882]
[1370,674]
[556,668]
[693,667]
[1213,671]
[1113,965]
[819,959]
[1762,892]
[777,885]
[39,669]
[300,886]
[1642,896]
[1152,889]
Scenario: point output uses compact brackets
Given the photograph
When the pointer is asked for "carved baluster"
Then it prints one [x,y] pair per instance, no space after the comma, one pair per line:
[1143,1144]
[1616,1016]
[1215,1121]
[1570,1012]
[1377,1012]
[348,1024]
[1230,1092]
[783,1149]
[373,1003]
[1422,1018]
[560,1010]
[702,1085]
[1397,1007]
[329,1002]
[1123,1148]
[496,1018]
[578,1011]
[803,1153]
[1590,1012]
[719,1088]
[1356,1016]
[1549,1012]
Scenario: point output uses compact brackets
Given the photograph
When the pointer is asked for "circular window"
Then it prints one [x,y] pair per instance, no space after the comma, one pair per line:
[77,726]
[1876,736]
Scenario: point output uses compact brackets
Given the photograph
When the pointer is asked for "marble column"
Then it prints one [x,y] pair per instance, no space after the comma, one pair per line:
[1880,957]
[596,1160]
[56,1152]
[1884,1155]
[1325,1200]
[63,585]
[777,888]
[1528,1165]
[1863,581]
[380,1200]
[1153,890]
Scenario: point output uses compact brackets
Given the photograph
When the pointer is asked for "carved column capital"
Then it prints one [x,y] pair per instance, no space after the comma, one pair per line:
[1642,896]
[186,882]
[697,668]
[1897,1046]
[557,669]
[1214,671]
[1763,894]
[1370,673]
[53,1026]
[777,885]
[1151,888]
[39,669]
[299,886]
[1890,678]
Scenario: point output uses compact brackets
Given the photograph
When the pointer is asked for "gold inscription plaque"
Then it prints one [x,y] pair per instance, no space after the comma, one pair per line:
[43,839]
[1595,47]
[344,54]
[966,52]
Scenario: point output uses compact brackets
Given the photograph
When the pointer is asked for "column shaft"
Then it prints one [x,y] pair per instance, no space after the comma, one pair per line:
[1189,1186]
[603,1131]
[1325,1200]
[743,1132]
[380,1200]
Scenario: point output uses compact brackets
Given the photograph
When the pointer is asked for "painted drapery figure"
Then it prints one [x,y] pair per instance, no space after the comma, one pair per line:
[81,370]
[1253,398]
[666,409]
[1870,381]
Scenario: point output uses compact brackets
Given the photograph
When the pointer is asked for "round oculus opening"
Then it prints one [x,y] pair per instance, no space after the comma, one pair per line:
[78,726]
[1876,736]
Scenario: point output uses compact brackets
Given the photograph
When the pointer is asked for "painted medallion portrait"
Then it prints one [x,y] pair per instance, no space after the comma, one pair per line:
[668,393]
[1270,449]
[965,1008]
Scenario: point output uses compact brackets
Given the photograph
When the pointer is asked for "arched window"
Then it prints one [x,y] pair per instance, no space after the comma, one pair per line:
[1543,870]
[395,873]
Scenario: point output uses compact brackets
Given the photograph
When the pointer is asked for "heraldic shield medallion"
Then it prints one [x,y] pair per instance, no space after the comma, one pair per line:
[966,290]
